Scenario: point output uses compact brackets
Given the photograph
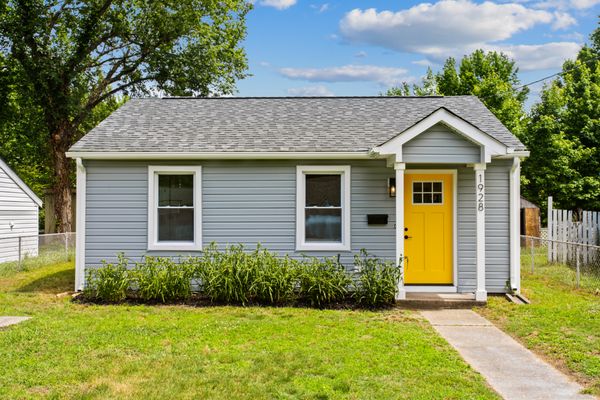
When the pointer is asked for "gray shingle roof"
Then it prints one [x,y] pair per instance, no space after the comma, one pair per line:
[294,124]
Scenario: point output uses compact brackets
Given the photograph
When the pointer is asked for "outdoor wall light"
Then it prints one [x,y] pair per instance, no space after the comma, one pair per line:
[392,187]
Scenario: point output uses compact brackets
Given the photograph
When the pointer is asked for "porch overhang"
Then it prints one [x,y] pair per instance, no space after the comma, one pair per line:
[489,146]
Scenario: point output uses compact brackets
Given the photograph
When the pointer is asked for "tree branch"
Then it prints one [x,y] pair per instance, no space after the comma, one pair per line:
[86,46]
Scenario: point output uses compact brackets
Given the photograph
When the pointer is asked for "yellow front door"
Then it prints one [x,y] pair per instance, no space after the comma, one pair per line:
[428,229]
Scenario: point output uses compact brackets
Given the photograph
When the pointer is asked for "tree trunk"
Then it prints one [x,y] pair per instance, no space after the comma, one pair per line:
[62,167]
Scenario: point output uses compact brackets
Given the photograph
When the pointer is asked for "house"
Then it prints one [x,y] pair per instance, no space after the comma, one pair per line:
[432,181]
[19,209]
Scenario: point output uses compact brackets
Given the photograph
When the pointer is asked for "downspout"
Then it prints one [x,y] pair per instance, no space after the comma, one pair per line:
[514,204]
[80,226]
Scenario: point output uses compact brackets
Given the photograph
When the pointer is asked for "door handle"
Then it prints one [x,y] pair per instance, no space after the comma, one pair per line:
[407,237]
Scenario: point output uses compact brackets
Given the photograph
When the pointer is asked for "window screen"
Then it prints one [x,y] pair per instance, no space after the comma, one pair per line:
[176,208]
[323,209]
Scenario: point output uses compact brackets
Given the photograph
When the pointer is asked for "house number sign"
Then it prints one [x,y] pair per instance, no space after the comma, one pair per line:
[480,192]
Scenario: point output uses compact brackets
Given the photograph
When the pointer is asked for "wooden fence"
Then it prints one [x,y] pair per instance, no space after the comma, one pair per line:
[567,228]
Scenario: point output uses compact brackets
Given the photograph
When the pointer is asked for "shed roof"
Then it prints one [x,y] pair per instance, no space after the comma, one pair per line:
[276,124]
[527,204]
[19,182]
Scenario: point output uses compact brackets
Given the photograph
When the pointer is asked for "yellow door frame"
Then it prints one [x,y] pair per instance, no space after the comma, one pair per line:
[441,288]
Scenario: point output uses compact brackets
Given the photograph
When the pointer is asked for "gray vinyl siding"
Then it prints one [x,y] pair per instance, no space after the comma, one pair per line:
[439,144]
[254,201]
[242,202]
[497,227]
[18,208]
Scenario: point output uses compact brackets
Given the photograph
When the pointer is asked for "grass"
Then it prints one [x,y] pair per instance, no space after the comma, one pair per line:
[47,255]
[562,323]
[70,350]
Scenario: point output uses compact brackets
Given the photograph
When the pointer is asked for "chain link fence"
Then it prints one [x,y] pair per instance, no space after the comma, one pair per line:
[575,264]
[23,252]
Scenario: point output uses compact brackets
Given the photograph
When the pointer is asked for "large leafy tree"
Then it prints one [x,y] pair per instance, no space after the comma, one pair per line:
[69,58]
[563,135]
[491,76]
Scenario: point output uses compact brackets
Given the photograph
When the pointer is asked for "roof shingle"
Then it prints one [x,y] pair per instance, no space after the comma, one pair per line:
[270,124]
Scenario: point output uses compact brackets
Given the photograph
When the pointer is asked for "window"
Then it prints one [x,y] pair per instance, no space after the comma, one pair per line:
[174,208]
[323,208]
[428,193]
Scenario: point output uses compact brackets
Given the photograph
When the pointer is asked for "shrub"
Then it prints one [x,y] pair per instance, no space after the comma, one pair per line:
[377,280]
[275,278]
[323,281]
[226,276]
[108,283]
[162,279]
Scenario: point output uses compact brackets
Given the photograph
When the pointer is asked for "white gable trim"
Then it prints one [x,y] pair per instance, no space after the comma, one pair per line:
[489,146]
[12,175]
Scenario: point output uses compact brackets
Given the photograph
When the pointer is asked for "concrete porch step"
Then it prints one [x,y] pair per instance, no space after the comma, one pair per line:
[431,301]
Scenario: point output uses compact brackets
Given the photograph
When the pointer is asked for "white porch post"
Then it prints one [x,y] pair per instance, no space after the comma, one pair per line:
[480,292]
[400,167]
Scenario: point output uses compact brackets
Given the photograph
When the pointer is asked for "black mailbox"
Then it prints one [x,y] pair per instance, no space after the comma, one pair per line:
[377,219]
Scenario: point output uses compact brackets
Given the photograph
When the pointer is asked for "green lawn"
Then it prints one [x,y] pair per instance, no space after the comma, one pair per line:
[562,324]
[69,350]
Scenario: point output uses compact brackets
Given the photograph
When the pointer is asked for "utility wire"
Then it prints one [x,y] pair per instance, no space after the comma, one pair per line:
[576,67]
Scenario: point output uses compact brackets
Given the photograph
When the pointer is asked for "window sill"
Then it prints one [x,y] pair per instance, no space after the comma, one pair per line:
[322,247]
[175,246]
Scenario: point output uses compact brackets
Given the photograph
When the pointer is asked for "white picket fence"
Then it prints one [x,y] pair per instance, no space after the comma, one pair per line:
[567,229]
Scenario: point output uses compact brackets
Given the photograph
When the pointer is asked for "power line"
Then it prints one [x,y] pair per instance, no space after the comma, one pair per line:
[576,67]
[557,73]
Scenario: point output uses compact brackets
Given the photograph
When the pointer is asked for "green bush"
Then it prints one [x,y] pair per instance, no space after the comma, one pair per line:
[275,278]
[162,279]
[226,276]
[377,280]
[108,283]
[323,281]
[238,277]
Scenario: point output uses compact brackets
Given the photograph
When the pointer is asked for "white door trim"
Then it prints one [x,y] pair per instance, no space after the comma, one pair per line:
[442,288]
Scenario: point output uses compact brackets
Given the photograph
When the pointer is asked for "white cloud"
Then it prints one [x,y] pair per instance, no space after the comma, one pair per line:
[573,36]
[349,73]
[320,8]
[567,4]
[360,54]
[434,28]
[458,27]
[423,63]
[278,4]
[584,4]
[563,20]
[307,91]
[540,56]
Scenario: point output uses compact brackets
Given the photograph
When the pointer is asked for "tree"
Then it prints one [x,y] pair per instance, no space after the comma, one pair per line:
[490,76]
[428,87]
[74,57]
[563,135]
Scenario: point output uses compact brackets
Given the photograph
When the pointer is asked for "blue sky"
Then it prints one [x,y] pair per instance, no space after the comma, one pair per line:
[346,47]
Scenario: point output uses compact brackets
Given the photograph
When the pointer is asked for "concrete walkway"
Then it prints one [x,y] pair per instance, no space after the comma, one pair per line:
[7,321]
[512,370]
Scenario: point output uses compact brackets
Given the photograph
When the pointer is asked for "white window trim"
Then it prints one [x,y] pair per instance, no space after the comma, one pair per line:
[153,172]
[301,171]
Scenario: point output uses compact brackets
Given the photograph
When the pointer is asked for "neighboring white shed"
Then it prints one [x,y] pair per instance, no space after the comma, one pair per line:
[19,209]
